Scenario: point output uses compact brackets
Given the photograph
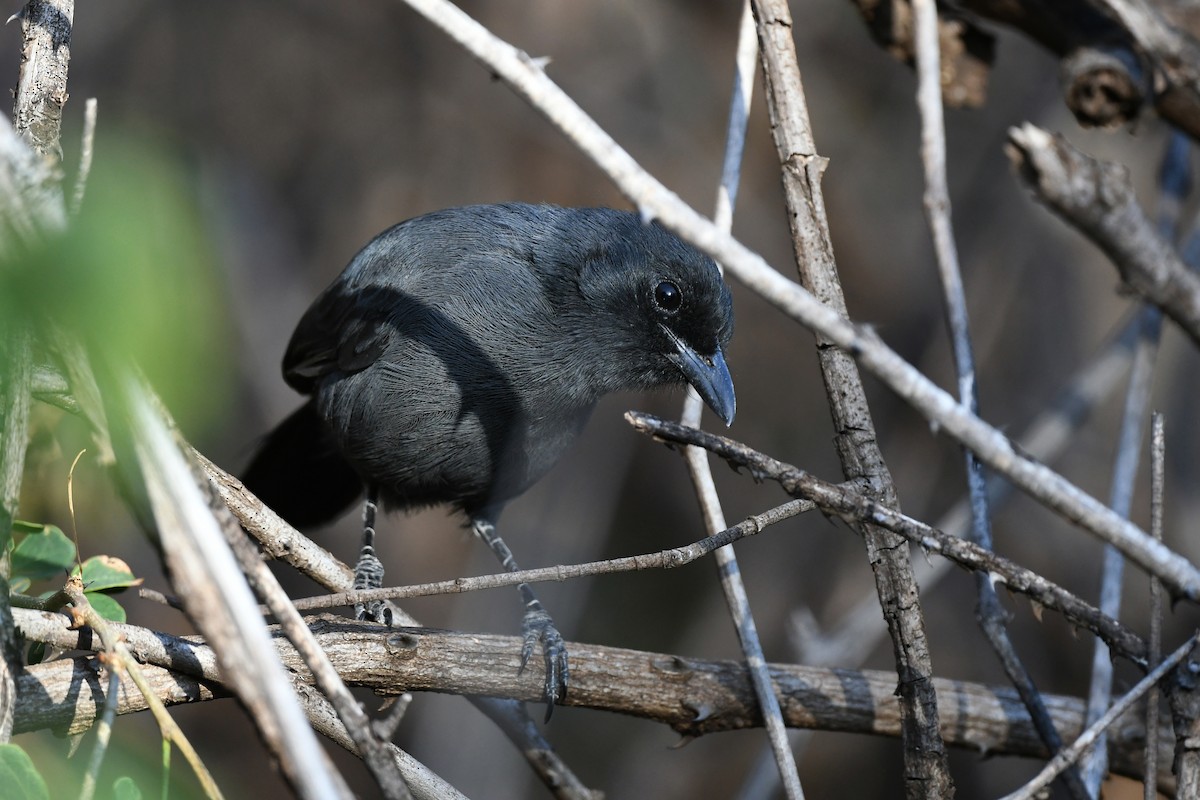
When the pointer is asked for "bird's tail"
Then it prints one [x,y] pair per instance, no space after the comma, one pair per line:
[299,473]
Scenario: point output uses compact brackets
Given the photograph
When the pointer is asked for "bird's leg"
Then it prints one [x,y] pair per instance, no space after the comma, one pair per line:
[536,625]
[368,572]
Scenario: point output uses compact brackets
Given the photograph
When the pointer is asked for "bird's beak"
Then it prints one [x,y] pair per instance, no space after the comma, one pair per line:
[707,374]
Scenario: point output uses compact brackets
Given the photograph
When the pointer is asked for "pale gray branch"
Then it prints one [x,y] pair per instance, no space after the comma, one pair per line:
[528,78]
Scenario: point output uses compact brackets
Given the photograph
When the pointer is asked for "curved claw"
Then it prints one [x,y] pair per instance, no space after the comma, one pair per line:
[538,625]
[368,574]
[376,611]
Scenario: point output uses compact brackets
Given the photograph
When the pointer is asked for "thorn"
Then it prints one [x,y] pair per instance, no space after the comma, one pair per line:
[995,579]
[1037,609]
[683,742]
[536,62]
[647,214]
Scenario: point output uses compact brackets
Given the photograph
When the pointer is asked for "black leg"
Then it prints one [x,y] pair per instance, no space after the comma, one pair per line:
[368,572]
[536,625]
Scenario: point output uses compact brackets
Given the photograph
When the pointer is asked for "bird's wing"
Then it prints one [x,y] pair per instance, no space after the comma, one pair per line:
[343,331]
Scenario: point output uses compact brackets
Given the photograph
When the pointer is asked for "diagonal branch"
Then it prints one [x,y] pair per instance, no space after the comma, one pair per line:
[992,618]
[280,540]
[528,78]
[732,585]
[926,770]
[851,505]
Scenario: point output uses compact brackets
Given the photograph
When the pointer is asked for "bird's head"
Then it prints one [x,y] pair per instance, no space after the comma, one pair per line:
[666,313]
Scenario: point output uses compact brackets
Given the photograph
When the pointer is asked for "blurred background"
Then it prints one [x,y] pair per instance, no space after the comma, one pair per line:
[290,133]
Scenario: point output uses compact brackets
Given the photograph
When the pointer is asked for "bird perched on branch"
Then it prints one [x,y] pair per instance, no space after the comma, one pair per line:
[461,352]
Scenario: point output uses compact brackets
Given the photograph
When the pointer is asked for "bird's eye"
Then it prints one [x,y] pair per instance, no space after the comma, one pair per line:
[668,297]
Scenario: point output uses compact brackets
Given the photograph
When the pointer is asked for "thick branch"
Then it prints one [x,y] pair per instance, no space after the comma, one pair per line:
[926,771]
[693,696]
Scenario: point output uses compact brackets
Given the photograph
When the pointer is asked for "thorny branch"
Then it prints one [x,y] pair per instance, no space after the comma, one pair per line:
[851,505]
[925,768]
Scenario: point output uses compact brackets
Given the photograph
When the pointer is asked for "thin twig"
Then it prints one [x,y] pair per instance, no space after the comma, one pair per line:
[528,78]
[349,710]
[85,155]
[992,617]
[858,631]
[736,598]
[663,559]
[155,596]
[1088,738]
[123,661]
[87,787]
[843,501]
[1174,183]
[375,754]
[1158,449]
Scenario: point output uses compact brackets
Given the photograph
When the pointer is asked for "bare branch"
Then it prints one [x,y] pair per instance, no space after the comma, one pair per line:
[42,89]
[86,151]
[857,633]
[1174,182]
[528,78]
[16,362]
[1158,447]
[1097,198]
[694,697]
[846,503]
[280,540]
[1089,737]
[214,590]
[925,767]
[736,598]
[993,619]
[663,559]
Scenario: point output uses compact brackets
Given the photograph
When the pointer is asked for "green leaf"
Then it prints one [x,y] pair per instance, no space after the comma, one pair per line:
[19,777]
[43,554]
[105,573]
[19,585]
[136,275]
[21,526]
[106,606]
[125,789]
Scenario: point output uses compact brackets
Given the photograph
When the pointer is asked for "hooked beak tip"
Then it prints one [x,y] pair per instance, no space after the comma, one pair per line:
[709,376]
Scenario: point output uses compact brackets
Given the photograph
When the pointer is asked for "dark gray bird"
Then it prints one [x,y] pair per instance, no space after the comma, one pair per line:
[461,352]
